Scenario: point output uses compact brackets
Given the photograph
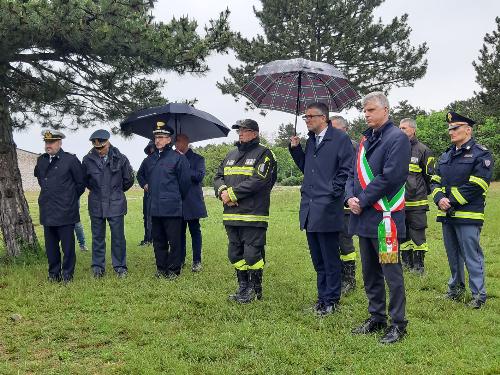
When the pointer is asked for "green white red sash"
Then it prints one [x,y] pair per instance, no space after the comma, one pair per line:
[387,232]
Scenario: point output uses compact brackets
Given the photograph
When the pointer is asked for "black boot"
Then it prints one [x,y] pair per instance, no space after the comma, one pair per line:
[242,277]
[248,294]
[418,259]
[407,259]
[256,280]
[348,276]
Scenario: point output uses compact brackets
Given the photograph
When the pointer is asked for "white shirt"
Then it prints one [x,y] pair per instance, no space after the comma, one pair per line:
[319,137]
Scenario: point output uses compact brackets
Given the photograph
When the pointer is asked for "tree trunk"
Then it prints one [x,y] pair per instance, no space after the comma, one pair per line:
[15,220]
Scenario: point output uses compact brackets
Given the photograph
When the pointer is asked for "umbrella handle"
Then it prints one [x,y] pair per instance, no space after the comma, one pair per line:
[299,83]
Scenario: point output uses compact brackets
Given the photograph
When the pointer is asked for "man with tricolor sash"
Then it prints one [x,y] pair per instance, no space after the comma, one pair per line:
[417,188]
[375,193]
[459,187]
[243,183]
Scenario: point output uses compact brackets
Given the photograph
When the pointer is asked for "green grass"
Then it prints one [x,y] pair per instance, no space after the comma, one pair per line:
[142,325]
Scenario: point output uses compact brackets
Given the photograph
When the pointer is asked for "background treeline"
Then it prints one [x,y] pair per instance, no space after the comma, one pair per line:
[431,130]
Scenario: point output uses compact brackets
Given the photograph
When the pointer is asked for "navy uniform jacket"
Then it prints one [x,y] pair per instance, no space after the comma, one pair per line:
[107,182]
[169,179]
[193,205]
[463,176]
[388,153]
[325,171]
[61,184]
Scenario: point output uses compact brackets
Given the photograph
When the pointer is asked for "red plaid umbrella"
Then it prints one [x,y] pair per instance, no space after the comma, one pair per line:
[290,85]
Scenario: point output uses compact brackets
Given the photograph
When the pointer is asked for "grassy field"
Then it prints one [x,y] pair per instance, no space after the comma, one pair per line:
[142,325]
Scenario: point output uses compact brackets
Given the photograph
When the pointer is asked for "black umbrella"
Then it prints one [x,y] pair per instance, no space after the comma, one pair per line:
[183,118]
[289,85]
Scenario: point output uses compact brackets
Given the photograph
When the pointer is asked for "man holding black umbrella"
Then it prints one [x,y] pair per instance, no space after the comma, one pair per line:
[325,164]
[168,180]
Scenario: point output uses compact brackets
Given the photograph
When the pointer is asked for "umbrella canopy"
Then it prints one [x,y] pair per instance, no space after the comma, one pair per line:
[290,85]
[183,118]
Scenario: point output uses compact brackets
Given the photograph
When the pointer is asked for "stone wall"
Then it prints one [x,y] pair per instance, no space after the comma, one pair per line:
[27,162]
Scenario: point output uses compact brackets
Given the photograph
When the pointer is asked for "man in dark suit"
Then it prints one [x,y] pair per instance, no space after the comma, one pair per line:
[325,164]
[375,195]
[193,205]
[60,177]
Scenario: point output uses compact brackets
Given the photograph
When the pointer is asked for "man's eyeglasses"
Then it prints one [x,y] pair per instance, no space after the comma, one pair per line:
[308,117]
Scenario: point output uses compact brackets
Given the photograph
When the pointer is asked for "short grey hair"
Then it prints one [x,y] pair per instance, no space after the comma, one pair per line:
[322,107]
[340,119]
[376,96]
[409,121]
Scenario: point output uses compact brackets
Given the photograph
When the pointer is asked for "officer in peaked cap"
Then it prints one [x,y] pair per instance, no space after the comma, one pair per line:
[108,175]
[168,178]
[459,186]
[60,177]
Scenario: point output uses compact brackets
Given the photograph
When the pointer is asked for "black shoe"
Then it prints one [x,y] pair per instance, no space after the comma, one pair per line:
[348,281]
[160,274]
[54,278]
[242,277]
[369,326]
[392,335]
[456,294]
[122,274]
[97,273]
[325,310]
[476,303]
[67,279]
[196,267]
[247,295]
[144,243]
[407,259]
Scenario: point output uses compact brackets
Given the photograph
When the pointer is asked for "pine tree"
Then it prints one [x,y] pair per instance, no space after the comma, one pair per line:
[488,72]
[75,63]
[372,55]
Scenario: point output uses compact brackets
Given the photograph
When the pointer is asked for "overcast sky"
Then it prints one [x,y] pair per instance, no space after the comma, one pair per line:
[453,29]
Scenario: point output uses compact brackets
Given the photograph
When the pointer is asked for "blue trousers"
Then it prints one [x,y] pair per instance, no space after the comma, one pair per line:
[118,243]
[196,241]
[462,246]
[324,249]
[80,235]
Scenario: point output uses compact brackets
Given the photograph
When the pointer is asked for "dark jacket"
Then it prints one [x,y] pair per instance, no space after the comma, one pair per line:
[463,176]
[248,173]
[388,153]
[421,169]
[193,205]
[107,182]
[325,171]
[61,184]
[169,178]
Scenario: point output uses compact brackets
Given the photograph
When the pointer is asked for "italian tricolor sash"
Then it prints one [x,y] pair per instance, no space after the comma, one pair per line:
[387,233]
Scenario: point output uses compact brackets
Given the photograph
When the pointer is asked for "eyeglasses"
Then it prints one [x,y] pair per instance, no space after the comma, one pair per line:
[308,117]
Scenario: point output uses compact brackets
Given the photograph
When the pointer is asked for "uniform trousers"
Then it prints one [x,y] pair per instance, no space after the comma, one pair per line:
[462,245]
[246,246]
[166,233]
[324,249]
[375,275]
[63,235]
[118,243]
[347,250]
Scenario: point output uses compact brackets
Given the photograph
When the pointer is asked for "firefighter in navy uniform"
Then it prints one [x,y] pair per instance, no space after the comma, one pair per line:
[243,183]
[459,187]
[60,176]
[417,187]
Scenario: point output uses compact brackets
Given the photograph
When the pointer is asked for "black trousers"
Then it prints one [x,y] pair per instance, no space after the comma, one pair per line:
[246,246]
[167,243]
[345,241]
[146,218]
[64,235]
[375,275]
[416,222]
